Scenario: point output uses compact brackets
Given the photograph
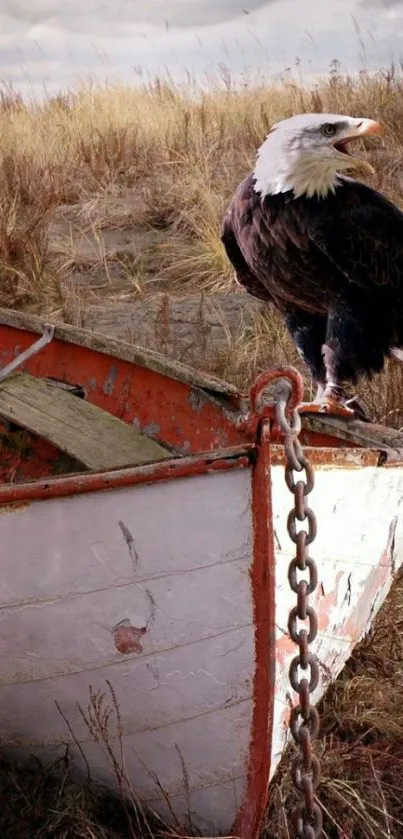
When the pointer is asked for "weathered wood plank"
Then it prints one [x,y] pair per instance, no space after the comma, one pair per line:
[88,433]
[365,434]
[120,349]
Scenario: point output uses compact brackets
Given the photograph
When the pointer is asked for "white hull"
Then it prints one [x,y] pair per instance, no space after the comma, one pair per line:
[184,581]
[358,550]
[149,587]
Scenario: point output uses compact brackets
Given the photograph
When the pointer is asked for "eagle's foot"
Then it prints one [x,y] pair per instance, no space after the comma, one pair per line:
[327,405]
[336,401]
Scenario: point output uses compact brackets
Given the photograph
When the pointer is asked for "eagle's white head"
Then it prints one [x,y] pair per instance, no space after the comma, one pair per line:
[306,152]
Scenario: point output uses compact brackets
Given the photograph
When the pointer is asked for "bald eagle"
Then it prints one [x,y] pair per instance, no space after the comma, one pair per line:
[325,249]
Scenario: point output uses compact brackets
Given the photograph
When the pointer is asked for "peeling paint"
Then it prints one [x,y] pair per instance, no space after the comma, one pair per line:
[347,596]
[373,591]
[128,537]
[100,552]
[110,381]
[197,399]
[152,429]
[127,637]
[184,448]
[14,507]
[331,458]
[345,615]
[153,607]
[392,543]
[329,602]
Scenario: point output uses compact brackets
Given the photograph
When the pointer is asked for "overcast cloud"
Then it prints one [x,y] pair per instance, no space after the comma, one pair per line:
[86,15]
[59,42]
[385,4]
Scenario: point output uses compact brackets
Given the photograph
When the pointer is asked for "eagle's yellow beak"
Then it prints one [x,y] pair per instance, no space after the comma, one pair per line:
[368,127]
[364,128]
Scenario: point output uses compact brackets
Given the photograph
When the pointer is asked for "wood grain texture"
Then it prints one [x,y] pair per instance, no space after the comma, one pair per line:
[170,563]
[365,434]
[89,434]
[119,349]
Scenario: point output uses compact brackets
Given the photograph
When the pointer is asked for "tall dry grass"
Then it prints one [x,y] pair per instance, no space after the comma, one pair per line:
[180,157]
[176,155]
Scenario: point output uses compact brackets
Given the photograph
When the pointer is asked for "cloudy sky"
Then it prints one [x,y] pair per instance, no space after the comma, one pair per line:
[51,44]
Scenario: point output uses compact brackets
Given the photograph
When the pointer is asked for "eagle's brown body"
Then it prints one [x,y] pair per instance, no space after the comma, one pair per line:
[333,266]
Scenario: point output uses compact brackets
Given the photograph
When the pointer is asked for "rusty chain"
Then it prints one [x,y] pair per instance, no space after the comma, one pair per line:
[304,719]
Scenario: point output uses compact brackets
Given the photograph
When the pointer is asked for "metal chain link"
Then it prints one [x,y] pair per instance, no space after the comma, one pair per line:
[304,719]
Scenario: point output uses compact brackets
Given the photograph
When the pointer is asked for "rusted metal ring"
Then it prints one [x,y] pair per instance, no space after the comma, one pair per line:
[310,479]
[302,598]
[293,672]
[312,630]
[290,400]
[306,787]
[299,454]
[290,445]
[298,721]
[303,648]
[304,696]
[298,775]
[296,422]
[308,832]
[301,549]
[300,820]
[292,525]
[300,501]
[295,389]
[293,567]
[305,748]
[289,429]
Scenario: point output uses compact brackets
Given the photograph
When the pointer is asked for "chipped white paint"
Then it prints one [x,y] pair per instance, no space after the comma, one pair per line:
[358,550]
[170,563]
[173,559]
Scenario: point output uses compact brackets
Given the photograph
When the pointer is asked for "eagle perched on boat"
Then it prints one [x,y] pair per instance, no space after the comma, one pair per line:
[325,249]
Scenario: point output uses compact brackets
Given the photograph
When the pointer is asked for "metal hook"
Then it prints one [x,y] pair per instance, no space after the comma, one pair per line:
[45,339]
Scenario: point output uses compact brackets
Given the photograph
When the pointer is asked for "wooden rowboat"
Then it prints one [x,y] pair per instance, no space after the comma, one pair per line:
[144,545]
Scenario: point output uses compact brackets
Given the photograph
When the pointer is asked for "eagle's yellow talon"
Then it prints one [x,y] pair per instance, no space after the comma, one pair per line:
[326,406]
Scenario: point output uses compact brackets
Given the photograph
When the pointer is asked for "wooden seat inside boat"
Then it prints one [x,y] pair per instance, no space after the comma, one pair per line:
[82,430]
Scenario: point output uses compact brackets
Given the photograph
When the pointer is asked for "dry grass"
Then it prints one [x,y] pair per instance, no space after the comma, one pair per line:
[157,165]
[160,166]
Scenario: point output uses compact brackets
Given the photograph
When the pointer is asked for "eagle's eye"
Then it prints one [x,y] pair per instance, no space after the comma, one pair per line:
[328,129]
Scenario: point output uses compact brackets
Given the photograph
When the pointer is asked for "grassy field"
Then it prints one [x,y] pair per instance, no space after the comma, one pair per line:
[118,194]
[114,196]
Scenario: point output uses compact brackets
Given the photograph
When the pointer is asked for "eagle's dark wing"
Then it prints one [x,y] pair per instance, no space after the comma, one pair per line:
[235,228]
[268,243]
[365,241]
[361,233]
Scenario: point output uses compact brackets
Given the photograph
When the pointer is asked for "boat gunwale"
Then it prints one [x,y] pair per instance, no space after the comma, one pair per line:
[122,350]
[355,433]
[232,457]
[77,483]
